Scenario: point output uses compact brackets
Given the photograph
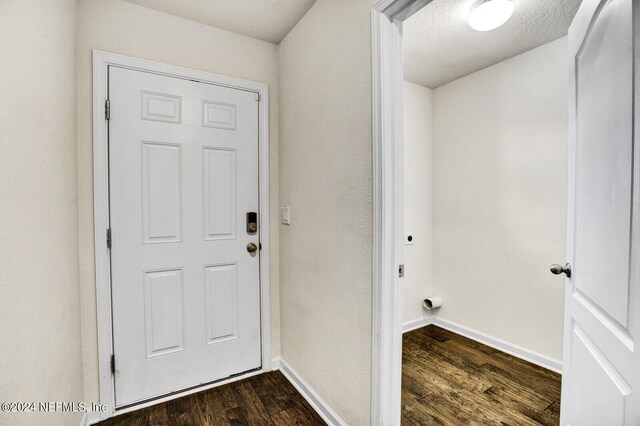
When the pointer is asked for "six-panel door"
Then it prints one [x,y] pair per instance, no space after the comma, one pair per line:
[183,170]
[601,372]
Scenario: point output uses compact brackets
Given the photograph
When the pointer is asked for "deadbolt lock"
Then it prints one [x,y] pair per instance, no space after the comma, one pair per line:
[252,222]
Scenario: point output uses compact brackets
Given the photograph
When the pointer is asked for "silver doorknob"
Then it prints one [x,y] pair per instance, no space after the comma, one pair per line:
[252,248]
[559,269]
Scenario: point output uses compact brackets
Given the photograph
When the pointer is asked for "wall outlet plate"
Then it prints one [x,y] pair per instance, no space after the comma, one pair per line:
[409,239]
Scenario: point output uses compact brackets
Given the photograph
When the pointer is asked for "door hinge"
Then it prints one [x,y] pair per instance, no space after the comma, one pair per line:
[107,109]
[258,97]
[109,238]
[113,364]
[401,271]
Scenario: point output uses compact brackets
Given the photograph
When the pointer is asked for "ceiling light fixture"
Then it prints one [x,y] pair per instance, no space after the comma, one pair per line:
[487,15]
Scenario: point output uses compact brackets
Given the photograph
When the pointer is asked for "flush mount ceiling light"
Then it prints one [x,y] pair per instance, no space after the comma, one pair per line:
[487,15]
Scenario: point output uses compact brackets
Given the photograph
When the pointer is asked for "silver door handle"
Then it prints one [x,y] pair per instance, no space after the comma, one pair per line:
[559,269]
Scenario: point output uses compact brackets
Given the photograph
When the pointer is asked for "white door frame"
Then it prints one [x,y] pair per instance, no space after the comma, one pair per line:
[388,206]
[101,62]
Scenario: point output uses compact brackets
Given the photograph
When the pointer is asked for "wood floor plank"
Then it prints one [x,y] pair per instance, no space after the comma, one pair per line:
[285,418]
[241,403]
[238,416]
[527,374]
[459,404]
[157,415]
[182,411]
[300,413]
[451,380]
[554,408]
[211,407]
[415,412]
[276,395]
[515,392]
[229,396]
[255,410]
[290,417]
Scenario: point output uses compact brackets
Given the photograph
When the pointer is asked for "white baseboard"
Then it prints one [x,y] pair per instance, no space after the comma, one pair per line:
[322,408]
[416,323]
[517,351]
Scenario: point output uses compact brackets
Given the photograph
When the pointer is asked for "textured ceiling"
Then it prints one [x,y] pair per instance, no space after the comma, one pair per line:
[268,20]
[439,46]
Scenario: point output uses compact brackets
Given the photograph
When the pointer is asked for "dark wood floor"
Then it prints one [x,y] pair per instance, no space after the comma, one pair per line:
[266,399]
[448,379]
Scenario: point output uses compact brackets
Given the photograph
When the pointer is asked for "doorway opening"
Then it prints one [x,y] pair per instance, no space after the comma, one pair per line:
[485,131]
[475,132]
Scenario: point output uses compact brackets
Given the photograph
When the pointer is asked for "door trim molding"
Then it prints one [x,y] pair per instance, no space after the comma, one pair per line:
[101,61]
[388,205]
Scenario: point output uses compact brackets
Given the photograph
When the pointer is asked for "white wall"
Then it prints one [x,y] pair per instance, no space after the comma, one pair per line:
[418,220]
[499,196]
[40,355]
[128,29]
[325,176]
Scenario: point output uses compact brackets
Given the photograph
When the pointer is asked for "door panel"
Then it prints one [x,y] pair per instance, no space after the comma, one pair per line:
[601,363]
[164,309]
[161,107]
[603,170]
[161,193]
[222,302]
[602,384]
[219,193]
[183,173]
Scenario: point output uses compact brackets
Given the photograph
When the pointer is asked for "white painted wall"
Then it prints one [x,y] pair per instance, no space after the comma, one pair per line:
[40,355]
[418,220]
[325,176]
[499,196]
[129,29]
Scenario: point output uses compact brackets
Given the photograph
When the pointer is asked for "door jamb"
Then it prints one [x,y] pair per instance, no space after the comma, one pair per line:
[388,206]
[101,61]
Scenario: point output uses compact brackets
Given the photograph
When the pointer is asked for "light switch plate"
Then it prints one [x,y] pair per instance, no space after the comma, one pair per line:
[285,215]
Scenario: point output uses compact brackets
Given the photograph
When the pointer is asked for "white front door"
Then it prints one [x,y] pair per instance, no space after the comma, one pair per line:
[601,374]
[183,174]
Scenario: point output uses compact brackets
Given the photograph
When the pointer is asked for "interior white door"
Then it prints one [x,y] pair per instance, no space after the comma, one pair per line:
[183,171]
[601,374]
